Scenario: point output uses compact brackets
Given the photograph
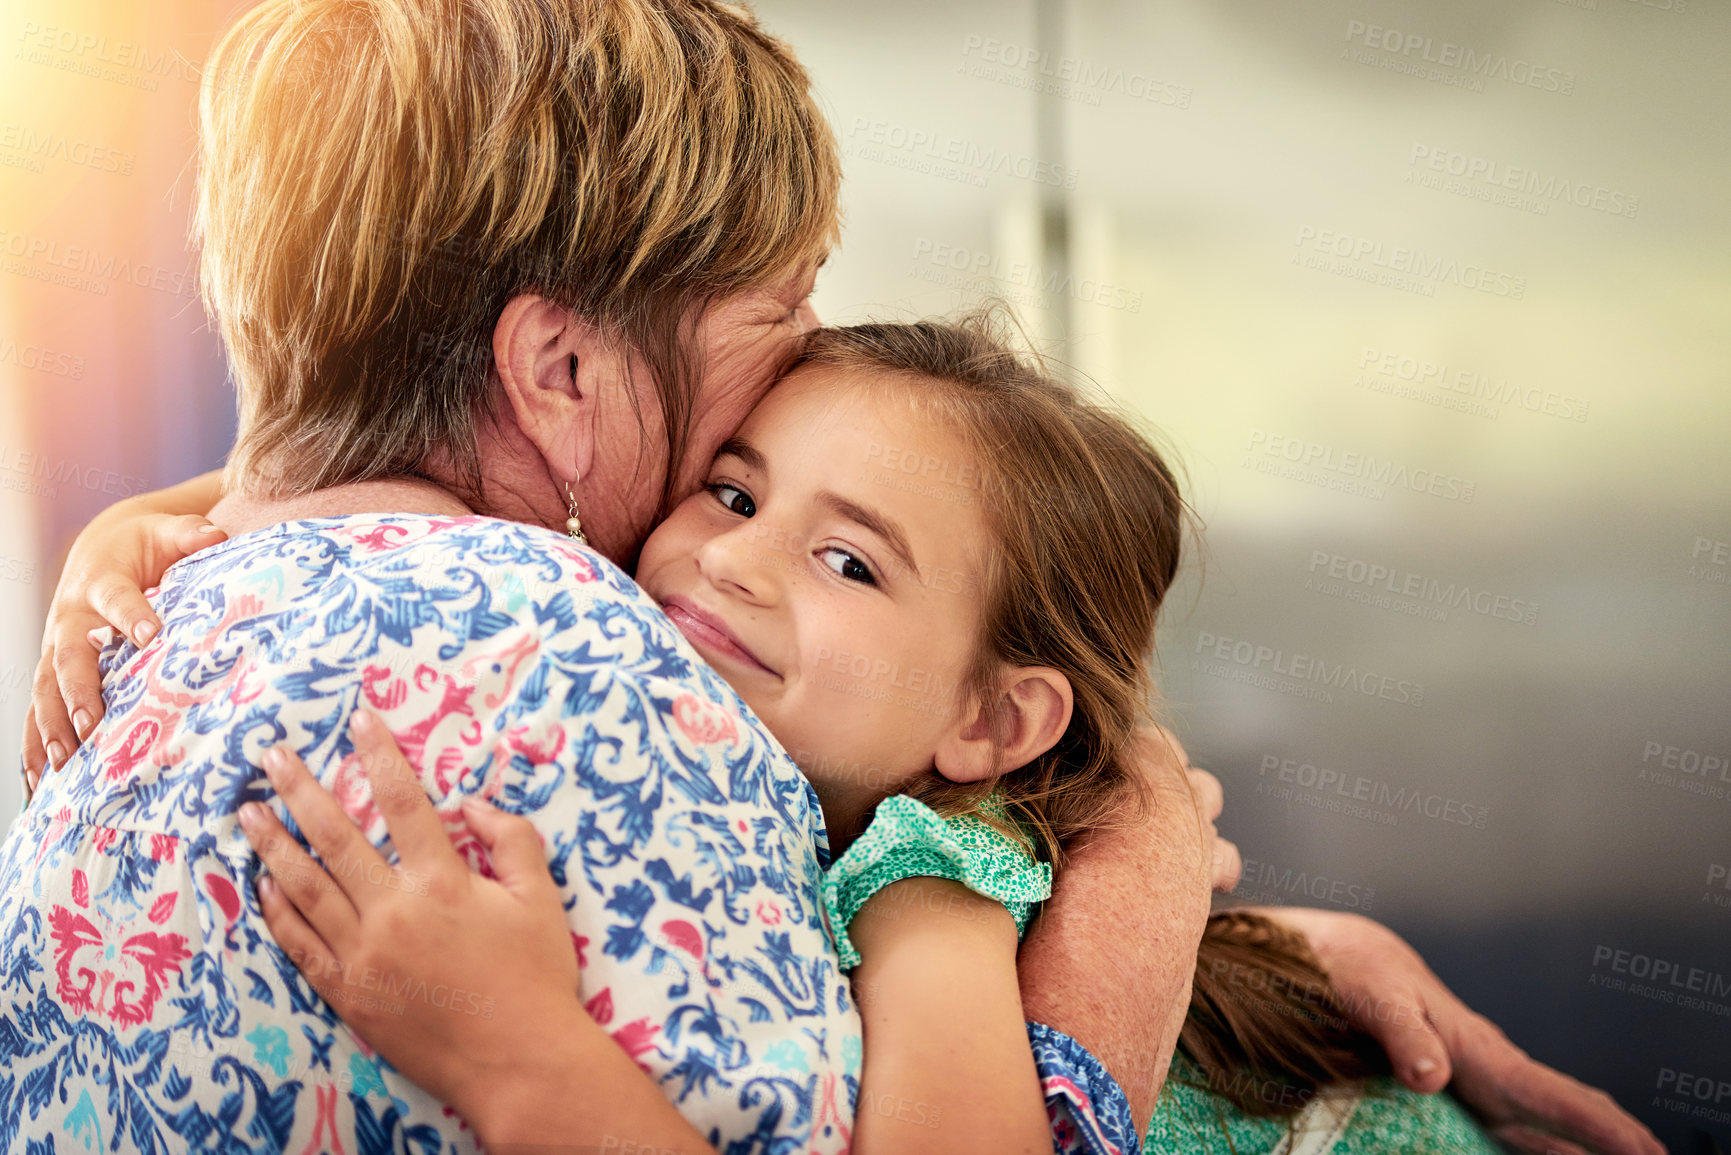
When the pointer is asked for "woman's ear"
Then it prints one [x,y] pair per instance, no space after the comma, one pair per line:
[1030,712]
[554,368]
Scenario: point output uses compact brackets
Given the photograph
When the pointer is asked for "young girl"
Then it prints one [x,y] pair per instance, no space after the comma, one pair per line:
[934,571]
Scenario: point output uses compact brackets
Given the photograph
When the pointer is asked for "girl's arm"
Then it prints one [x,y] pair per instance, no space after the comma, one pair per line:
[947,1066]
[121,553]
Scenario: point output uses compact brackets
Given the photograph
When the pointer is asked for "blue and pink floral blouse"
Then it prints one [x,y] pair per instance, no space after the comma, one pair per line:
[143,1004]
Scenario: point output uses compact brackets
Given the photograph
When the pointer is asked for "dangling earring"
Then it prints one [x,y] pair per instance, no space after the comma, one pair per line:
[573,525]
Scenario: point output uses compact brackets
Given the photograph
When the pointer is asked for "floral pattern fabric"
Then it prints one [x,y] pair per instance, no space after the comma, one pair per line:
[143,1004]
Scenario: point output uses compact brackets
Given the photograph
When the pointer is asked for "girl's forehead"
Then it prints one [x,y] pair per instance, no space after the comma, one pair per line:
[867,437]
[841,393]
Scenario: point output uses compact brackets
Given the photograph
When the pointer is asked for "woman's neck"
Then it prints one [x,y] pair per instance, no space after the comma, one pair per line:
[239,513]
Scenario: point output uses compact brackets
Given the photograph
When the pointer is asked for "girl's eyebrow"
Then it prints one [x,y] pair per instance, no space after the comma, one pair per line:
[745,451]
[874,521]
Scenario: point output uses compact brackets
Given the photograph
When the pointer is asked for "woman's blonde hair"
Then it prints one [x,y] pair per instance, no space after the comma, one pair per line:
[378,178]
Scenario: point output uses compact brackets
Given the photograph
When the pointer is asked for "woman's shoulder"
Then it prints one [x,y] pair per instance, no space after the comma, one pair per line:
[405,594]
[408,556]
[359,537]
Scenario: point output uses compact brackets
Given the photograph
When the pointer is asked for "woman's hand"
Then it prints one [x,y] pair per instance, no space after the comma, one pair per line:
[1110,959]
[120,554]
[1434,1041]
[1224,862]
[467,985]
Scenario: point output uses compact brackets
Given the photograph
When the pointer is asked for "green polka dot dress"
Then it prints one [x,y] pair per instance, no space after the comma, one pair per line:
[1378,1115]
[907,839]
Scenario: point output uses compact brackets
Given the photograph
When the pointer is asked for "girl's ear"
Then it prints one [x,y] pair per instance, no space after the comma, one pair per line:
[1029,714]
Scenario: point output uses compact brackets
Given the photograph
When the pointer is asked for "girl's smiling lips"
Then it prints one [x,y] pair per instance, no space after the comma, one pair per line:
[705,629]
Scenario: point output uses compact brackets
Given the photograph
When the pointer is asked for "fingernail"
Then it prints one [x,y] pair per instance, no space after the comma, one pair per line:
[143,632]
[364,722]
[266,886]
[1423,1067]
[207,527]
[274,760]
[56,754]
[251,815]
[81,722]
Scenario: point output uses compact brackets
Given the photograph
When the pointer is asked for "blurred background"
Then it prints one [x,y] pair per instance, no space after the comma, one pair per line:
[1431,301]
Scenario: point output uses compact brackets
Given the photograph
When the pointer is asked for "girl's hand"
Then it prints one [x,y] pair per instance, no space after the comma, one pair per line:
[1434,1041]
[375,940]
[467,985]
[120,554]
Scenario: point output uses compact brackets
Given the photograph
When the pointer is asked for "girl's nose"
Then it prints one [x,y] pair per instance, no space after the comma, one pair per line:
[747,562]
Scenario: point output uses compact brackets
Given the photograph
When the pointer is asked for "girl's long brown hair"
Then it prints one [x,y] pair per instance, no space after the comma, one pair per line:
[1088,524]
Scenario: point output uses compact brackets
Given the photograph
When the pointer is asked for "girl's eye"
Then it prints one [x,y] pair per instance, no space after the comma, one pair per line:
[733,498]
[849,566]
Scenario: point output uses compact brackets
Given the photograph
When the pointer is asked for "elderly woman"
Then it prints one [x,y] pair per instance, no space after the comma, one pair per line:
[523,274]
[490,305]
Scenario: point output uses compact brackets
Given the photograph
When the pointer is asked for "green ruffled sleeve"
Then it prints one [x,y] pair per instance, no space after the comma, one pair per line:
[907,839]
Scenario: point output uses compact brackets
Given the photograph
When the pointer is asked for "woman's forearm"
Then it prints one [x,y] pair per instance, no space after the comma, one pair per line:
[1110,960]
